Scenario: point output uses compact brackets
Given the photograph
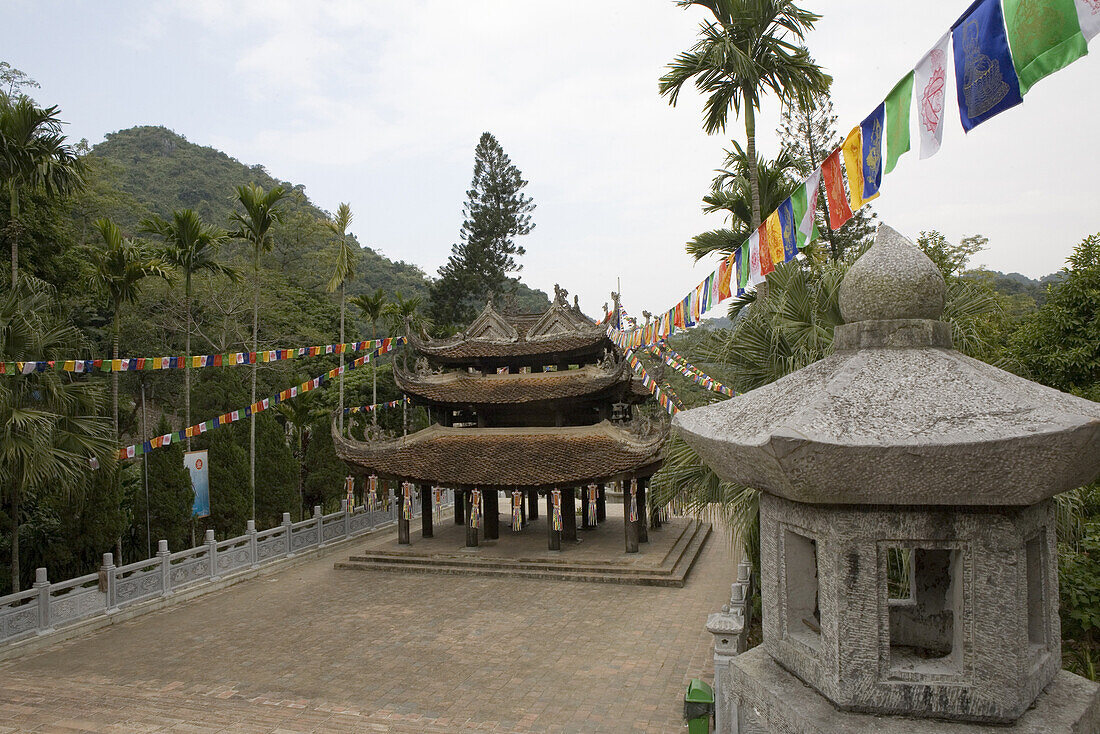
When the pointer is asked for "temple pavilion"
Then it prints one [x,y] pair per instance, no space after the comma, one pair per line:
[534,405]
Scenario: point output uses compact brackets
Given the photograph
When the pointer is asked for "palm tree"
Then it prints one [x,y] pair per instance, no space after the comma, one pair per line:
[373,306]
[261,211]
[51,424]
[190,247]
[731,193]
[405,314]
[119,270]
[33,156]
[751,48]
[345,268]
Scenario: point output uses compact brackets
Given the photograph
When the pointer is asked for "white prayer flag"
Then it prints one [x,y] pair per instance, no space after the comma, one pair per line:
[755,276]
[930,89]
[1088,13]
[813,185]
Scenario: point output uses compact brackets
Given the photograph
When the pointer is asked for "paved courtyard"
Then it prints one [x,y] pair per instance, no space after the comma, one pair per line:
[311,648]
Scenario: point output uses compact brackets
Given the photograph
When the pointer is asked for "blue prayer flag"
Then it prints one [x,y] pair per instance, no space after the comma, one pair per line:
[786,227]
[688,320]
[871,131]
[986,79]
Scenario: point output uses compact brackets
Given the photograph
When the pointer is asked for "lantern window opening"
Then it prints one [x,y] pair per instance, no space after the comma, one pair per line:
[924,629]
[802,618]
[899,575]
[1035,550]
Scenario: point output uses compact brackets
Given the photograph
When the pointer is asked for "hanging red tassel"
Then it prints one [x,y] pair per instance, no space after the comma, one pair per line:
[593,492]
[556,499]
[475,508]
[517,511]
[406,500]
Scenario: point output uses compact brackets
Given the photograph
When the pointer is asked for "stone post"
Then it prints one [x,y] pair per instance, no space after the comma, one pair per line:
[212,553]
[601,504]
[730,629]
[107,581]
[533,504]
[253,544]
[165,567]
[553,537]
[586,522]
[643,512]
[491,513]
[402,521]
[319,520]
[287,533]
[471,531]
[346,509]
[42,583]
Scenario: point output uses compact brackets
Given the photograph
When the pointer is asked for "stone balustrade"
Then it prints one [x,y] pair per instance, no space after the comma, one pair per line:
[49,607]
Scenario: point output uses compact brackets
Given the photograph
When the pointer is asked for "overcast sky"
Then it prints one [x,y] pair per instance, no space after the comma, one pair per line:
[381,104]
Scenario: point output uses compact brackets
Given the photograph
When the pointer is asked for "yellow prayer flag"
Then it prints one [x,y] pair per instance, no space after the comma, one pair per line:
[773,233]
[853,166]
[70,365]
[116,365]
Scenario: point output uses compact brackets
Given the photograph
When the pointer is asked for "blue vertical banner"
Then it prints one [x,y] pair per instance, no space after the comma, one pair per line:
[986,79]
[196,463]
[871,131]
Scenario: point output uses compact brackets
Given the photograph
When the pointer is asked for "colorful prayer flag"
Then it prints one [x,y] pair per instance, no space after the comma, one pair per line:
[804,210]
[1045,36]
[930,83]
[785,215]
[839,211]
[898,103]
[724,275]
[741,255]
[1088,15]
[984,75]
[871,131]
[771,234]
[853,167]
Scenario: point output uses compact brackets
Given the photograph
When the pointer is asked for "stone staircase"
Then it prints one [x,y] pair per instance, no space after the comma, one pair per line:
[636,569]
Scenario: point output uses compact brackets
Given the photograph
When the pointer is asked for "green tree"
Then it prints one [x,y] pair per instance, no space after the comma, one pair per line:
[119,269]
[950,258]
[405,314]
[1059,344]
[261,211]
[14,80]
[297,417]
[51,425]
[229,499]
[496,212]
[33,156]
[190,247]
[280,471]
[344,269]
[751,48]
[171,496]
[324,484]
[374,307]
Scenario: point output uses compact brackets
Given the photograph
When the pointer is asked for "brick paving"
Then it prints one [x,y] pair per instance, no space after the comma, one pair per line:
[316,649]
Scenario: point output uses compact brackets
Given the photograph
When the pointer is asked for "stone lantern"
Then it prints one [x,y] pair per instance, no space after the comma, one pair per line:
[908,559]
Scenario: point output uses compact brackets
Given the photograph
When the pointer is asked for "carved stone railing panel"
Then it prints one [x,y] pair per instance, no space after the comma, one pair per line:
[77,599]
[19,614]
[138,581]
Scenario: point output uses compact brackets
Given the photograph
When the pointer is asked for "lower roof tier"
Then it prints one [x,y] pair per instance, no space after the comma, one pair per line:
[463,388]
[509,457]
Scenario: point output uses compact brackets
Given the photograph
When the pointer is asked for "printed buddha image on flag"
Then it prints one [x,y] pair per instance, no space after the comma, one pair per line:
[785,214]
[985,78]
[853,167]
[1045,36]
[837,199]
[930,90]
[756,264]
[871,131]
[770,233]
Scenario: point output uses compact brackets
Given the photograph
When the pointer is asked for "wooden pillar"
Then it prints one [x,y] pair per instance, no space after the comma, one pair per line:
[643,512]
[533,504]
[522,511]
[460,507]
[491,514]
[426,509]
[471,531]
[553,537]
[601,504]
[569,514]
[630,529]
[586,521]
[402,523]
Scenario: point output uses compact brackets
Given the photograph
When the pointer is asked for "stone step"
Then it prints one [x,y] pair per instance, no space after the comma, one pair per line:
[668,577]
[687,534]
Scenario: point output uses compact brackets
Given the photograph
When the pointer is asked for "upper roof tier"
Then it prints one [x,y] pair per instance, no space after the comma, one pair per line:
[895,415]
[463,388]
[560,335]
[509,457]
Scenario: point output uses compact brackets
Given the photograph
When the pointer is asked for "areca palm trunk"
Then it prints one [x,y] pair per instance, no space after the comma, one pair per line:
[255,341]
[187,360]
[13,234]
[754,180]
[114,372]
[813,167]
[15,508]
[341,414]
[374,376]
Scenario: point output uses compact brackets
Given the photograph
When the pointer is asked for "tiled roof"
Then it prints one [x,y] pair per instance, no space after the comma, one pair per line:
[463,388]
[593,340]
[508,457]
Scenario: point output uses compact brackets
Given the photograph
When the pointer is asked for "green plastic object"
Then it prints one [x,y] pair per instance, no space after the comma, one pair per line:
[698,706]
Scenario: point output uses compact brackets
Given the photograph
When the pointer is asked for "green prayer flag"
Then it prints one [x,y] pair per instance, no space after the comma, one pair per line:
[899,102]
[1045,36]
[805,227]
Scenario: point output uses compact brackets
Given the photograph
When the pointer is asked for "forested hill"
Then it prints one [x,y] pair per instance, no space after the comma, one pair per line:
[153,170]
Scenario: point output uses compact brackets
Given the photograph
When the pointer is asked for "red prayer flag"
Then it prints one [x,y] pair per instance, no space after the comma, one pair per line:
[839,211]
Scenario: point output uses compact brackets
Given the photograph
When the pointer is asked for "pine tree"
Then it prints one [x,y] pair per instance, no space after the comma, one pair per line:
[325,473]
[277,486]
[808,136]
[230,497]
[495,213]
